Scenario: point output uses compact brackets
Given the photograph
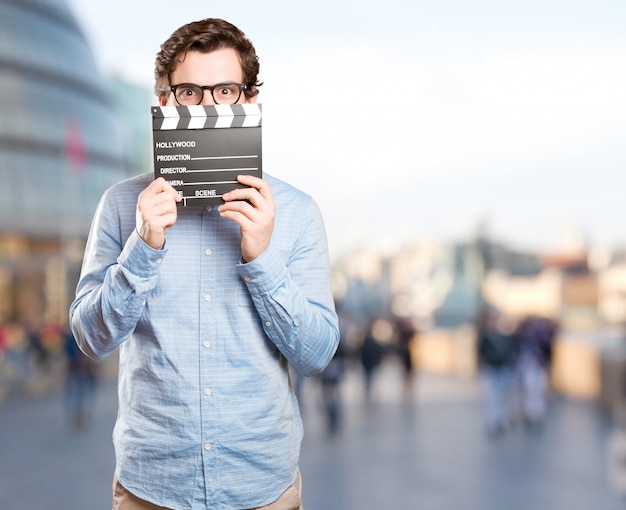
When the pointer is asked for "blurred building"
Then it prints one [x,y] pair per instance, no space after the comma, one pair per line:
[132,104]
[61,145]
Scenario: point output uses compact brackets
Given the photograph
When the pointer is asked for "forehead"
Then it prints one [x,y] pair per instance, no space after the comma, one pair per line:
[205,68]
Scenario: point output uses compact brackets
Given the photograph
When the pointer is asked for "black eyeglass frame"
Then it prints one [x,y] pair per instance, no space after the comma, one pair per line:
[240,86]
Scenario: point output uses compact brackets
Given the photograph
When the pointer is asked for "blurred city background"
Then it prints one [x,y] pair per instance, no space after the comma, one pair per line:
[435,221]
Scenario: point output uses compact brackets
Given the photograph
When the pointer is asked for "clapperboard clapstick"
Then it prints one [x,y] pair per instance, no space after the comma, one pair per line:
[200,150]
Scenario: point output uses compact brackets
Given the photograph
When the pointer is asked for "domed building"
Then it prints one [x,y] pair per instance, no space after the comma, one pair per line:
[60,148]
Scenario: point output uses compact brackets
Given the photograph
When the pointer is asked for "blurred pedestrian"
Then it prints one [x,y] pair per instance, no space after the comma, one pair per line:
[371,354]
[332,375]
[406,338]
[80,383]
[39,355]
[536,336]
[17,352]
[3,341]
[498,352]
[330,380]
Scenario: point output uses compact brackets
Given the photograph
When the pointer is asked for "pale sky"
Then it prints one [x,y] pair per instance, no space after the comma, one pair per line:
[411,120]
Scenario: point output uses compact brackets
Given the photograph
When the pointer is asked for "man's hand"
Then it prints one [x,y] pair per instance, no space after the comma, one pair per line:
[253,209]
[156,212]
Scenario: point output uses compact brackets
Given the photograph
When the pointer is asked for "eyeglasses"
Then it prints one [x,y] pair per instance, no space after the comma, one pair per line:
[223,93]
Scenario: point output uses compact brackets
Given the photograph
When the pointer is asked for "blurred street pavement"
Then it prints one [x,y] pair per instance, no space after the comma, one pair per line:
[426,452]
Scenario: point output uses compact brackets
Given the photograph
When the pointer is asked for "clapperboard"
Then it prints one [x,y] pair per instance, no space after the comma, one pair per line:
[200,150]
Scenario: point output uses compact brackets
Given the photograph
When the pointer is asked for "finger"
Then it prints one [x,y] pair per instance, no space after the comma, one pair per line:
[261,197]
[159,186]
[240,194]
[257,183]
[156,204]
[238,208]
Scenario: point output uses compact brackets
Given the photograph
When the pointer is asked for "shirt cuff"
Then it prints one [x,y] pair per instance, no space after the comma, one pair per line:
[140,259]
[264,273]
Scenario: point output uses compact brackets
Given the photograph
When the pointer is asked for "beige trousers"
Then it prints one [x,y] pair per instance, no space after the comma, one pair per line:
[291,499]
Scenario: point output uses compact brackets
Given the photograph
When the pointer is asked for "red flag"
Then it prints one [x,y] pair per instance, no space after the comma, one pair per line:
[75,148]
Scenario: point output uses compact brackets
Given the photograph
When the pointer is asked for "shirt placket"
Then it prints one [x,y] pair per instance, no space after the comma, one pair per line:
[209,352]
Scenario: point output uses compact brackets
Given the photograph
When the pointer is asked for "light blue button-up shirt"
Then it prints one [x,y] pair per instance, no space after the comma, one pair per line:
[207,415]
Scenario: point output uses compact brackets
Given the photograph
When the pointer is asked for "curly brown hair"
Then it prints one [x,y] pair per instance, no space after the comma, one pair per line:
[205,36]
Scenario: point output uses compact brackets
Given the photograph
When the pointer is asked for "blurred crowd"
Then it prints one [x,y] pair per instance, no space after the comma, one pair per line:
[363,347]
[514,358]
[42,357]
[26,351]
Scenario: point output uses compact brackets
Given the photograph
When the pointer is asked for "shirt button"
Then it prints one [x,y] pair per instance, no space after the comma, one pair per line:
[247,278]
[268,324]
[207,297]
[209,208]
[207,392]
[207,344]
[158,261]
[207,252]
[207,446]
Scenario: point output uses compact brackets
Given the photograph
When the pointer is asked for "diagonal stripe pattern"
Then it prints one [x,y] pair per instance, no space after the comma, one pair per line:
[203,117]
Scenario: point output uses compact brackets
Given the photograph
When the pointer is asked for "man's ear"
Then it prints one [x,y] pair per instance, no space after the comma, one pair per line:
[253,98]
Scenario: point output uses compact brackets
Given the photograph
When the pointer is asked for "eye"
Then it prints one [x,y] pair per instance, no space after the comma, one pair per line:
[188,93]
[227,90]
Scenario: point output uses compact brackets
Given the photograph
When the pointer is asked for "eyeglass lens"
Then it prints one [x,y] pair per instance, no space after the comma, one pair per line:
[222,93]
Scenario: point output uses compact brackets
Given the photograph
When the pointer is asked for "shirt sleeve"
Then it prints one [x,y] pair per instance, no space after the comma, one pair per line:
[116,278]
[294,299]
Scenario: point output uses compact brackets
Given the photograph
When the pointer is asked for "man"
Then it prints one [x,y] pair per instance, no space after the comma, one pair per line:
[208,306]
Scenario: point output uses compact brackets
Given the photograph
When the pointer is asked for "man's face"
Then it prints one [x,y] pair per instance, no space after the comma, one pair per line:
[220,66]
